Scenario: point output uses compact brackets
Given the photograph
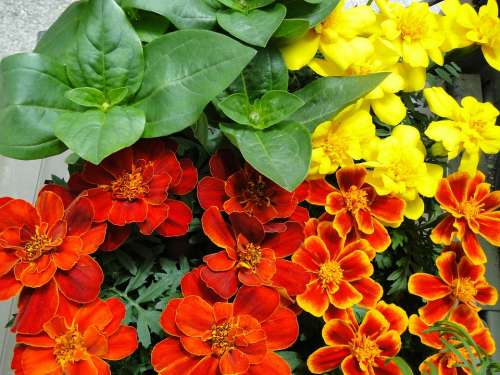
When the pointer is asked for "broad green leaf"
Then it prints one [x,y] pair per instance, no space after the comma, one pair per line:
[246,5]
[59,39]
[180,81]
[292,28]
[32,89]
[149,25]
[96,134]
[184,14]
[107,53]
[314,13]
[274,107]
[116,96]
[281,153]
[255,27]
[86,96]
[313,1]
[267,71]
[325,97]
[237,108]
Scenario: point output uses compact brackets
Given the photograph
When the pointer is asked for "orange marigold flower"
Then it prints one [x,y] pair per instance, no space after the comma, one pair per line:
[340,271]
[77,341]
[45,244]
[135,185]
[362,348]
[446,362]
[359,212]
[233,188]
[251,255]
[459,282]
[472,209]
[226,338]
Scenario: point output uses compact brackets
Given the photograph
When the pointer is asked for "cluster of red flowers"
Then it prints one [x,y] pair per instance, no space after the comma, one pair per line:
[62,326]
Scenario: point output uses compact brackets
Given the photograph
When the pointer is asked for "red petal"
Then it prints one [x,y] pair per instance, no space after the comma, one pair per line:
[395,315]
[208,365]
[491,201]
[18,213]
[374,323]
[217,229]
[285,243]
[327,359]
[343,222]
[83,282]
[446,197]
[33,277]
[332,239]
[472,248]
[68,254]
[337,333]
[50,207]
[233,362]
[272,364]
[259,302]
[486,294]
[96,175]
[436,310]
[356,265]
[458,182]
[191,284]
[224,283]
[125,212]
[427,286]
[168,357]
[219,261]
[334,203]
[379,239]
[489,225]
[350,176]
[444,232]
[281,329]
[314,300]
[36,361]
[224,163]
[318,191]
[371,291]
[167,318]
[346,296]
[96,314]
[102,201]
[293,277]
[447,266]
[62,192]
[178,220]
[101,366]
[156,216]
[188,178]
[117,308]
[9,286]
[211,192]
[364,221]
[389,343]
[79,217]
[196,346]
[417,327]
[467,269]
[122,344]
[300,215]
[388,208]
[94,238]
[115,237]
[316,249]
[248,226]
[194,316]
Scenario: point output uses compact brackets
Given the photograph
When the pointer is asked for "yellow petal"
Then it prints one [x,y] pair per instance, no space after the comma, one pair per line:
[393,83]
[301,52]
[440,102]
[427,185]
[414,208]
[446,132]
[450,7]
[492,56]
[414,77]
[415,54]
[436,55]
[390,109]
[409,136]
[490,9]
[469,162]
[326,68]
[467,16]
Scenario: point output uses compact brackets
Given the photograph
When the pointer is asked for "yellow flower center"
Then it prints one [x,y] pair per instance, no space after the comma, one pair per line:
[37,245]
[222,338]
[488,30]
[365,350]
[330,273]
[355,199]
[359,70]
[249,256]
[69,347]
[464,289]
[256,193]
[471,209]
[130,186]
[414,23]
[336,151]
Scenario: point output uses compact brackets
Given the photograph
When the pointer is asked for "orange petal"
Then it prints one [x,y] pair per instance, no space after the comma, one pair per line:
[211,192]
[194,316]
[86,367]
[334,203]
[327,359]
[314,300]
[196,346]
[95,341]
[337,332]
[318,191]
[219,261]
[217,229]
[350,366]
[472,247]
[395,315]
[304,259]
[484,339]
[192,284]
[346,296]
[469,318]
[17,213]
[224,283]
[371,291]
[117,308]
[389,343]
[427,286]
[436,310]
[332,239]
[355,266]
[208,365]
[50,207]
[168,357]
[388,208]
[417,327]
[9,286]
[33,278]
[223,311]
[101,366]
[293,277]
[93,238]
[281,329]
[486,294]
[57,326]
[68,253]
[167,318]
[379,239]
[96,313]
[374,323]
[316,249]
[364,221]
[233,362]
[121,344]
[38,361]
[447,266]
[258,302]
[272,364]
[343,222]
[41,340]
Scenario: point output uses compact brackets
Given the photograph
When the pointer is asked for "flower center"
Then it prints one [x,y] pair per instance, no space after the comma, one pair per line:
[38,244]
[365,351]
[249,256]
[336,151]
[130,186]
[330,273]
[359,70]
[464,289]
[414,24]
[356,199]
[222,338]
[256,193]
[69,347]
[471,209]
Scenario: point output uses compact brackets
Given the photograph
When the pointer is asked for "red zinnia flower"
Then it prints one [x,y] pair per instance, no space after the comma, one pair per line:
[340,271]
[134,186]
[472,210]
[236,189]
[358,210]
[226,338]
[44,249]
[251,256]
[447,363]
[459,282]
[362,349]
[77,341]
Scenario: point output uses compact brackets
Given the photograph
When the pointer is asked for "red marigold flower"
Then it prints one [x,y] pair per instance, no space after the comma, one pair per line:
[251,255]
[77,341]
[45,244]
[362,349]
[446,362]
[340,271]
[134,186]
[233,188]
[359,212]
[459,282]
[226,338]
[472,209]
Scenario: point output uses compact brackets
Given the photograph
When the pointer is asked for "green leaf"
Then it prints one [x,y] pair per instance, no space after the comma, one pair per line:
[272,151]
[403,366]
[293,359]
[255,27]
[314,13]
[325,97]
[86,96]
[274,107]
[292,28]
[141,275]
[96,134]
[149,25]
[237,108]
[246,5]
[184,14]
[116,96]
[180,81]
[32,89]
[208,136]
[107,53]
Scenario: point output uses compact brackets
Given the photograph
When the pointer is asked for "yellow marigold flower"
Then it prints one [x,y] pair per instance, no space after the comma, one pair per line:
[399,167]
[331,37]
[464,26]
[337,143]
[469,128]
[413,32]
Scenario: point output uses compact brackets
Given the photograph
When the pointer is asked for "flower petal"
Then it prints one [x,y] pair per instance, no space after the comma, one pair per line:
[219,261]
[417,327]
[211,192]
[436,310]
[444,232]
[188,178]
[217,229]
[38,361]
[314,300]
[395,315]
[9,286]
[196,346]
[343,222]
[168,357]
[371,291]
[258,302]
[327,359]
[208,365]
[338,333]
[374,323]
[318,192]
[79,216]
[281,329]
[389,209]
[389,343]
[233,362]
[427,286]
[285,243]
[291,276]
[178,220]
[121,344]
[346,296]
[192,284]
[272,364]
[356,265]
[350,176]
[50,207]
[379,239]
[447,267]
[224,283]
[194,316]
[248,226]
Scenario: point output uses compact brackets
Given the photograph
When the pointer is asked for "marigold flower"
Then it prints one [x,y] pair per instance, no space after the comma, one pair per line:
[44,244]
[251,255]
[362,348]
[77,341]
[337,143]
[359,212]
[472,209]
[470,128]
[340,272]
[399,167]
[233,188]
[464,26]
[459,283]
[226,338]
[134,186]
[447,362]
[413,32]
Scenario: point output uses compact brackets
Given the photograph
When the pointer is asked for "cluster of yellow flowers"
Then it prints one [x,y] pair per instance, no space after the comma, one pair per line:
[401,41]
